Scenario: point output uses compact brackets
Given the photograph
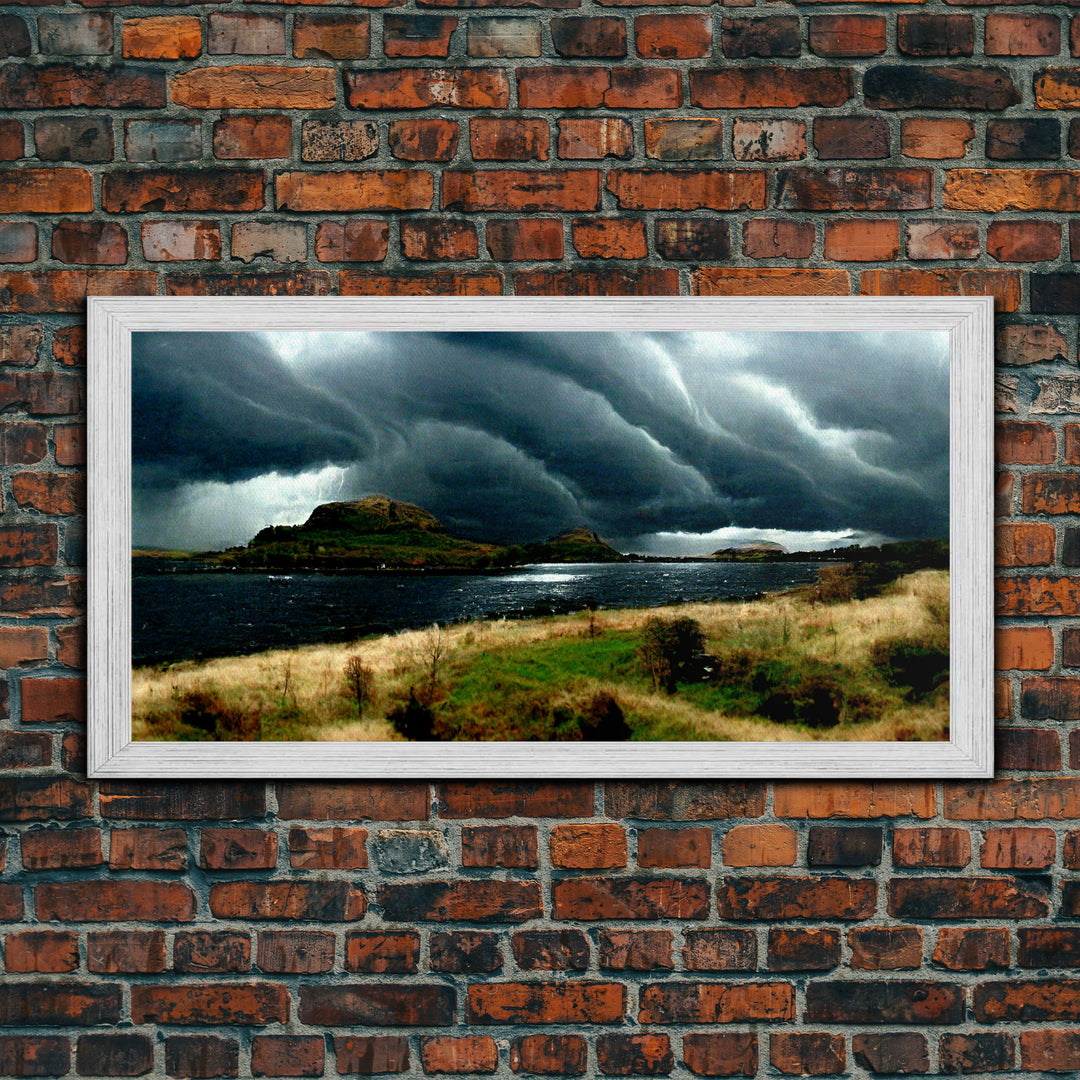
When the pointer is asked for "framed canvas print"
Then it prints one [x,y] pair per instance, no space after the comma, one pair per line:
[709,537]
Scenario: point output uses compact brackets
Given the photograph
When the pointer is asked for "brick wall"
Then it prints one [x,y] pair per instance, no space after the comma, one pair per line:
[538,146]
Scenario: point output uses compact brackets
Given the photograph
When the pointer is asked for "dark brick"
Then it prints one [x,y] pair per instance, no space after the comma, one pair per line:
[549,1055]
[635,950]
[889,1002]
[377,1004]
[14,36]
[856,137]
[983,1051]
[778,35]
[550,950]
[693,239]
[118,1054]
[59,1004]
[935,35]
[201,1057]
[34,1055]
[1023,140]
[898,1053]
[720,950]
[851,846]
[634,1055]
[721,1054]
[1055,294]
[576,36]
[370,1055]
[891,86]
[465,950]
[803,950]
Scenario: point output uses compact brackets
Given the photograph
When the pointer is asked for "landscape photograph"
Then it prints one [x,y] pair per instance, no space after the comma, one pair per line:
[540,536]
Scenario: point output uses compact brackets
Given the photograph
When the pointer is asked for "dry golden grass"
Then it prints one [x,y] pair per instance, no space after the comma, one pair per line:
[309,679]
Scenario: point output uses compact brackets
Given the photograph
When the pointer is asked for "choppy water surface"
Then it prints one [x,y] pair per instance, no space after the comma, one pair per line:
[183,615]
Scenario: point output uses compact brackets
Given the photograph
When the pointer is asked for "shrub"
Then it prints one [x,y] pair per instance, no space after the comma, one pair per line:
[912,662]
[602,720]
[203,708]
[667,647]
[413,719]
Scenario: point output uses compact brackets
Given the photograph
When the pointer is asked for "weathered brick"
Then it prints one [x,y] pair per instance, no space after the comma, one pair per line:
[579,36]
[885,948]
[549,1055]
[465,900]
[935,35]
[892,1053]
[59,1004]
[692,239]
[66,86]
[803,950]
[567,1002]
[463,950]
[588,846]
[46,951]
[254,1004]
[373,189]
[1010,189]
[417,35]
[287,1055]
[181,241]
[116,1054]
[720,950]
[295,952]
[664,37]
[278,241]
[629,898]
[890,86]
[34,1055]
[524,239]
[508,139]
[721,1053]
[250,137]
[368,1055]
[460,1054]
[427,283]
[18,241]
[715,1003]
[807,1053]
[649,189]
[380,952]
[862,240]
[245,32]
[1021,345]
[967,898]
[673,848]
[162,37]
[854,189]
[853,137]
[765,140]
[942,240]
[1022,35]
[1029,648]
[769,87]
[795,898]
[205,951]
[643,1054]
[1023,544]
[134,800]
[126,951]
[423,140]
[941,139]
[148,849]
[550,950]
[635,950]
[254,87]
[498,36]
[14,36]
[1057,88]
[338,140]
[238,849]
[1002,285]
[683,801]
[344,36]
[187,190]
[75,34]
[324,901]
[377,1004]
[201,1056]
[421,88]
[25,750]
[354,240]
[1023,140]
[777,35]
[854,800]
[760,845]
[684,140]
[1027,999]
[972,948]
[768,281]
[984,1051]
[333,847]
[885,1002]
[777,238]
[114,901]
[594,138]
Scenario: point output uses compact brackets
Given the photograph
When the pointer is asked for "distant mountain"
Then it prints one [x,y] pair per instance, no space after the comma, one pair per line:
[758,549]
[378,532]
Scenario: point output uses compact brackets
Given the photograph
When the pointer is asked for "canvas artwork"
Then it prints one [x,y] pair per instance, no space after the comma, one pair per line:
[542,535]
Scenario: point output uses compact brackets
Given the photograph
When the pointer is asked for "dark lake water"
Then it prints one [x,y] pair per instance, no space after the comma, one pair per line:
[184,615]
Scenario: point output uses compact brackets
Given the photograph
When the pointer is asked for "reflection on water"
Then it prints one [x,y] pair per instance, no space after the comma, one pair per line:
[184,615]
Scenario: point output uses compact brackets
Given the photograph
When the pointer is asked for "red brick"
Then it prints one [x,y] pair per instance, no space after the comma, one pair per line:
[61,849]
[1023,241]
[49,493]
[126,951]
[438,239]
[670,800]
[635,950]
[1023,545]
[1022,35]
[182,190]
[201,1056]
[254,87]
[47,951]
[771,281]
[1027,999]
[720,950]
[549,1055]
[377,1004]
[423,140]
[180,241]
[769,87]
[760,845]
[641,1054]
[68,86]
[1029,648]
[847,35]
[47,701]
[428,283]
[354,240]
[114,901]
[251,137]
[348,800]
[1030,345]
[1021,443]
[675,848]
[1017,849]
[336,847]
[715,1003]
[855,137]
[885,948]
[417,35]
[1050,1051]
[464,900]
[287,1055]
[666,37]
[11,902]
[594,87]
[253,1004]
[462,1054]
[942,240]
[565,1002]
[653,189]
[807,1053]
[201,951]
[19,344]
[795,898]
[767,140]
[577,37]
[11,141]
[422,88]
[295,952]
[1027,799]
[984,1051]
[629,898]
[1002,285]
[972,948]
[1037,596]
[803,950]
[935,139]
[880,189]
[60,597]
[337,36]
[46,191]
[721,1054]
[162,37]
[34,1055]
[968,898]
[373,189]
[862,240]
[777,238]
[854,800]
[508,139]
[369,1054]
[610,238]
[324,901]
[523,239]
[483,799]
[382,952]
[594,138]
[1050,494]
[148,849]
[22,646]
[1009,189]
[245,32]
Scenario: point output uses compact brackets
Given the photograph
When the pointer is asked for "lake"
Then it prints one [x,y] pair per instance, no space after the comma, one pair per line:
[182,615]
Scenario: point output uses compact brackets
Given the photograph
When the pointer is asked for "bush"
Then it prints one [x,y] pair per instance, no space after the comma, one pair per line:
[204,709]
[912,662]
[602,720]
[413,720]
[667,648]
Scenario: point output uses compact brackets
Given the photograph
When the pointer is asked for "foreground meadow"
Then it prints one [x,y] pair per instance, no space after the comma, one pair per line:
[783,668]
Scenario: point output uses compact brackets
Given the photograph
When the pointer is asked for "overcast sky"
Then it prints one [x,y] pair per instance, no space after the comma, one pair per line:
[664,443]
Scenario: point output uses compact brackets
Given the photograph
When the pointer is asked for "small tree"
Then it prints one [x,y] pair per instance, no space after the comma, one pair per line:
[667,646]
[359,680]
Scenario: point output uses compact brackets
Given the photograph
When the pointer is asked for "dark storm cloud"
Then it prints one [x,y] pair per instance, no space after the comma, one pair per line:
[513,436]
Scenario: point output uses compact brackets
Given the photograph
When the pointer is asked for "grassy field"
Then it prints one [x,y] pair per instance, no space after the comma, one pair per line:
[785,667]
